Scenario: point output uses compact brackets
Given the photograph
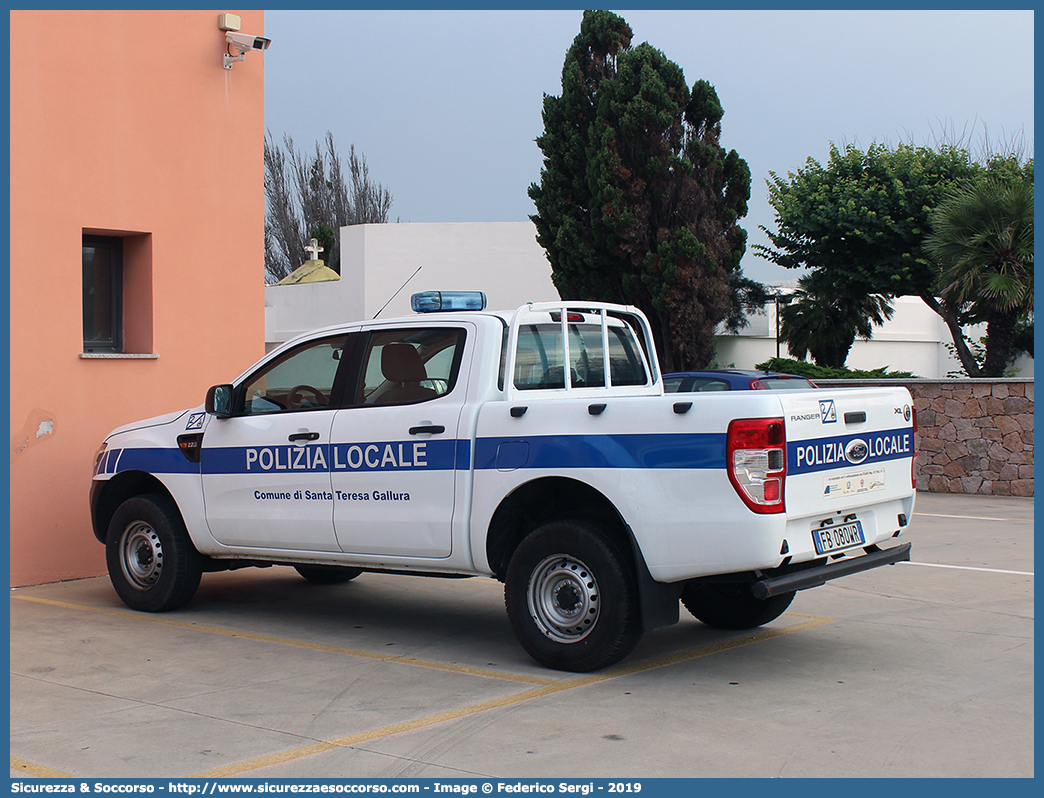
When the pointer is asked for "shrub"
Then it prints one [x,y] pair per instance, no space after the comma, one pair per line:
[814,372]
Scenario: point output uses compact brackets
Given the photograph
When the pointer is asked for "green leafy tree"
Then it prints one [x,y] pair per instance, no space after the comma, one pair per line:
[637,200]
[824,323]
[859,222]
[982,239]
[312,195]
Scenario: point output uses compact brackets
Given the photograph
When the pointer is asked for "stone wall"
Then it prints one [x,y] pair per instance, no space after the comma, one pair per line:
[973,435]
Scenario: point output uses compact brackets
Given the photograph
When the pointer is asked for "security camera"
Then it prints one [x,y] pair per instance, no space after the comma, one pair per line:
[243,43]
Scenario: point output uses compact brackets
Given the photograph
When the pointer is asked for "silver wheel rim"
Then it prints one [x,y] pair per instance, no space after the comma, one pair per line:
[141,555]
[563,599]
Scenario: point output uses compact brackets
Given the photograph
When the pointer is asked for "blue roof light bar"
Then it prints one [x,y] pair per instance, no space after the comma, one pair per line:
[443,301]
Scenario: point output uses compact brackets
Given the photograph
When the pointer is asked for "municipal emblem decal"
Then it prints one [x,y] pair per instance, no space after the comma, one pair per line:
[827,411]
[196,421]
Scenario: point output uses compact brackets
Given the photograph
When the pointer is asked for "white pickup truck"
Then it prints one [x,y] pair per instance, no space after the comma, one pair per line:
[535,446]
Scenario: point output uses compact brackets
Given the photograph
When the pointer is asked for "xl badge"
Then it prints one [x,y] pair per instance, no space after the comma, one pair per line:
[827,411]
[196,421]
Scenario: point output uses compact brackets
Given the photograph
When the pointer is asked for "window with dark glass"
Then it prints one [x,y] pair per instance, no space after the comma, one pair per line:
[407,366]
[538,360]
[102,294]
[302,379]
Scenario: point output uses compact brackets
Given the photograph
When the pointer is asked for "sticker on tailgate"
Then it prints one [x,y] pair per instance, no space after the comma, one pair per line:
[853,483]
[821,454]
[827,411]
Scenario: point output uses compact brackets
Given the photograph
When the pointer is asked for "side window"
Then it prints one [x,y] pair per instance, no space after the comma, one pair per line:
[403,367]
[538,361]
[302,379]
[672,384]
[710,384]
[625,364]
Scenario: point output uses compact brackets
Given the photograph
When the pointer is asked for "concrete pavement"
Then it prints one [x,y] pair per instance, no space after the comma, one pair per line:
[920,669]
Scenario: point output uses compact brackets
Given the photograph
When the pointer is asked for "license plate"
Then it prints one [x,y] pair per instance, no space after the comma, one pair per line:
[836,538]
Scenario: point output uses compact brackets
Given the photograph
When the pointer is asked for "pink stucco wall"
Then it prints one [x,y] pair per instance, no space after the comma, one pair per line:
[135,130]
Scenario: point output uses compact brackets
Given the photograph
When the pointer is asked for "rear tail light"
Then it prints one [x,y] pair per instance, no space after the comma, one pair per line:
[757,385]
[756,452]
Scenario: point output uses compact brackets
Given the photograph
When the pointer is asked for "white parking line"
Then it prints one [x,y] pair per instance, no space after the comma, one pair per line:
[968,568]
[972,517]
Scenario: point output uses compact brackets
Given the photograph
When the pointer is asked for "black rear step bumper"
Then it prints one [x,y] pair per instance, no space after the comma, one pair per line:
[821,574]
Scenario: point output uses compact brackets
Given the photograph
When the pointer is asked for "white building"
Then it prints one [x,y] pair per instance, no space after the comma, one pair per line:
[915,339]
[379,265]
[502,259]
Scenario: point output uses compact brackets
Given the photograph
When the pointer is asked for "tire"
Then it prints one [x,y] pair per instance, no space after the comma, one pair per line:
[152,563]
[571,598]
[732,605]
[327,574]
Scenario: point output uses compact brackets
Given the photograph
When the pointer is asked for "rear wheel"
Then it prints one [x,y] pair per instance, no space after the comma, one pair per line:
[151,561]
[571,598]
[327,574]
[732,605]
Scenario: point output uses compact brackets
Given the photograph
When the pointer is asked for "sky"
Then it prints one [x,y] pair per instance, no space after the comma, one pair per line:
[445,105]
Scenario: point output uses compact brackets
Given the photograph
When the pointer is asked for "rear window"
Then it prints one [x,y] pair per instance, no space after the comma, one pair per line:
[538,361]
[787,384]
[695,384]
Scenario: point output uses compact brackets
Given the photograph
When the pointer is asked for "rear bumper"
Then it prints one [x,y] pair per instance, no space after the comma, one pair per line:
[821,574]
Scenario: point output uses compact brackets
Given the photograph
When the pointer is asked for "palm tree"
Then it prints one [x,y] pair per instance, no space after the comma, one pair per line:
[824,322]
[982,242]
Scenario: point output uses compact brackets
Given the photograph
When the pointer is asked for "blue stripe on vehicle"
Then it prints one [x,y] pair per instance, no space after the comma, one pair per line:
[156,461]
[698,450]
[679,451]
[463,455]
[431,454]
[821,454]
[102,467]
[682,451]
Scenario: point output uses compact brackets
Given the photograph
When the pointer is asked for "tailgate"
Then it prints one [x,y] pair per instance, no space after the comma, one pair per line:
[847,448]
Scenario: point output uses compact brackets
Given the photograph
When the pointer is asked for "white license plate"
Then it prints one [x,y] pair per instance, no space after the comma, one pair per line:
[836,538]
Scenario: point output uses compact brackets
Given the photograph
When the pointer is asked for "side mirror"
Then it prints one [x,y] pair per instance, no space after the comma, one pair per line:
[219,401]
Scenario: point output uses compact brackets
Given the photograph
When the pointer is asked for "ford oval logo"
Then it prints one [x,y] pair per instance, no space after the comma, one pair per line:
[856,451]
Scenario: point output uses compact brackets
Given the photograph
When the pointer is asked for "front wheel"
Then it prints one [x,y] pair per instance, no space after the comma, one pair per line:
[151,561]
[571,598]
[732,605]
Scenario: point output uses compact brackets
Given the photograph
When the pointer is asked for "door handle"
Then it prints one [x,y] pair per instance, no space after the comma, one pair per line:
[434,429]
[304,436]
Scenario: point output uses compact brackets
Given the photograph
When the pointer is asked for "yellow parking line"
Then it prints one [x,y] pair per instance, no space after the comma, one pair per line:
[32,769]
[281,757]
[286,641]
[547,687]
